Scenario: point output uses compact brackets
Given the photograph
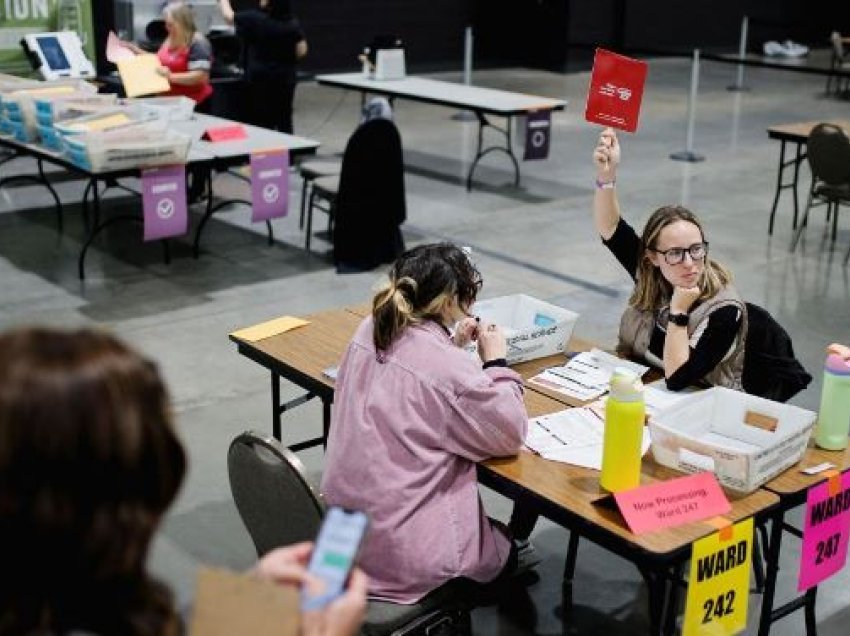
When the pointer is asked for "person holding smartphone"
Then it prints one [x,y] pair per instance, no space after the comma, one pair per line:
[89,464]
[684,316]
[413,413]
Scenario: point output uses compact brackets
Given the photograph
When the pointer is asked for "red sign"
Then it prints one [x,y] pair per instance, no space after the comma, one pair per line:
[672,503]
[616,90]
[225,133]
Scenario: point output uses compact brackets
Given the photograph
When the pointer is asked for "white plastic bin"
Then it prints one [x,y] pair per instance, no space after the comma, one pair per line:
[533,328]
[707,431]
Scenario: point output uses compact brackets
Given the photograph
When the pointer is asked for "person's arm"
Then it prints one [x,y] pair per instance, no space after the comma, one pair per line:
[713,345]
[300,49]
[606,208]
[200,62]
[135,48]
[227,12]
[490,416]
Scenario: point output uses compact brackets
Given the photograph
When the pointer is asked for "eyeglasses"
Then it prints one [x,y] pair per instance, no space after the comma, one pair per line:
[676,255]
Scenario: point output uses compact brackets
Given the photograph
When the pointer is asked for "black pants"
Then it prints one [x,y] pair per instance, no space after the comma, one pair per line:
[197,175]
[268,103]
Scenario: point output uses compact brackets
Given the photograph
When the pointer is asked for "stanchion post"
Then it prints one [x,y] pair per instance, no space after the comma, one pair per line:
[466,115]
[688,154]
[742,53]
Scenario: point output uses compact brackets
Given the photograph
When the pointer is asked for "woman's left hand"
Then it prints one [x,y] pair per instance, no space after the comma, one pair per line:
[165,72]
[466,332]
[683,298]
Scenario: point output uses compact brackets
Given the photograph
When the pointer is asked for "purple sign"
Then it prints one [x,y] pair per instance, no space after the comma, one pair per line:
[164,202]
[269,185]
[538,126]
[826,531]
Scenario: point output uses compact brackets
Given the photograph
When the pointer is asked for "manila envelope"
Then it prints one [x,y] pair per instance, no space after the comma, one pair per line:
[227,603]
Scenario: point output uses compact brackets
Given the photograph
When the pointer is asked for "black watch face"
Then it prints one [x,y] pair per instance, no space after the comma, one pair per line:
[679,319]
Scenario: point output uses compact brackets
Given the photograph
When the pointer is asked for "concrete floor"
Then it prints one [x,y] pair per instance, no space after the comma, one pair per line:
[537,239]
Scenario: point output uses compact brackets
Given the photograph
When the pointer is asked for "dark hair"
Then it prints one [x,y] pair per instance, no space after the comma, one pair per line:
[421,282]
[89,462]
[279,9]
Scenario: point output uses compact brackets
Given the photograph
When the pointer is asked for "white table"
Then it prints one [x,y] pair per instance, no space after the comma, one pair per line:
[227,154]
[481,101]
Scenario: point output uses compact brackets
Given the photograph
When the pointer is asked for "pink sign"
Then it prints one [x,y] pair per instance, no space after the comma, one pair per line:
[269,185]
[672,503]
[164,202]
[826,531]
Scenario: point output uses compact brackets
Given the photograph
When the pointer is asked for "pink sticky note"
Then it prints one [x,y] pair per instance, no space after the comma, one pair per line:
[672,503]
[825,533]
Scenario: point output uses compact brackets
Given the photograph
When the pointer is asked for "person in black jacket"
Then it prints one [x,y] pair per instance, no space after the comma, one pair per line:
[274,42]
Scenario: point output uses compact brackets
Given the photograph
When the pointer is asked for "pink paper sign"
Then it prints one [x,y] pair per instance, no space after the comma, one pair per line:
[269,185]
[825,533]
[672,503]
[164,202]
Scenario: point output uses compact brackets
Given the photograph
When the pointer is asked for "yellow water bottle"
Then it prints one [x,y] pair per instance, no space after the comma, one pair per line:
[624,419]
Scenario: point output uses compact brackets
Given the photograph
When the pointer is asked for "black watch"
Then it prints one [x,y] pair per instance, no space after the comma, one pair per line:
[679,319]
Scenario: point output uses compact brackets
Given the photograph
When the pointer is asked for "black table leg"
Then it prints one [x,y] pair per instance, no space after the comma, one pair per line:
[276,406]
[772,571]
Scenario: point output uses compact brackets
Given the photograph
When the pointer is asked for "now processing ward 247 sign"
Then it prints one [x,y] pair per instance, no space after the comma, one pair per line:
[616,90]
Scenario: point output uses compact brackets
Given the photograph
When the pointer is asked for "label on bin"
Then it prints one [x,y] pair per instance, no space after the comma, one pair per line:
[825,532]
[718,585]
[672,503]
[269,185]
[164,202]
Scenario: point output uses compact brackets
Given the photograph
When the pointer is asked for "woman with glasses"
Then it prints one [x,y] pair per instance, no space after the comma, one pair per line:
[684,315]
[413,413]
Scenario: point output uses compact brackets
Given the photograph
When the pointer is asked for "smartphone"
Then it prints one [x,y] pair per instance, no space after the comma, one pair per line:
[336,548]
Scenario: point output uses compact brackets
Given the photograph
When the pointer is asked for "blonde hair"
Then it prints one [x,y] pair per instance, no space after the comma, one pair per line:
[652,290]
[422,284]
[182,14]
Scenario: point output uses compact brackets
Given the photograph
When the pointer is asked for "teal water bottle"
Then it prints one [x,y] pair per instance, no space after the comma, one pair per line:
[621,444]
[834,415]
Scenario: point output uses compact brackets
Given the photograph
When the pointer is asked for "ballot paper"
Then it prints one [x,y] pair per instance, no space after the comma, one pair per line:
[572,436]
[657,397]
[586,376]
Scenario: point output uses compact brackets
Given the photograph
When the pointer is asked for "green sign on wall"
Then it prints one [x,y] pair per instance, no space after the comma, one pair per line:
[21,17]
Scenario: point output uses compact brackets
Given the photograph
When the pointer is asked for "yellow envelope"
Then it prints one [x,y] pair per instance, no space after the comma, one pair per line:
[270,328]
[719,582]
[116,119]
[139,76]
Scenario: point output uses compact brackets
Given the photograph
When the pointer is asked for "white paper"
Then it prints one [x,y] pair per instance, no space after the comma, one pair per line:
[586,376]
[658,397]
[572,436]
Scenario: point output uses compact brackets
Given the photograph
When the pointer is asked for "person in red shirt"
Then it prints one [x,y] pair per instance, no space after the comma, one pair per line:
[186,56]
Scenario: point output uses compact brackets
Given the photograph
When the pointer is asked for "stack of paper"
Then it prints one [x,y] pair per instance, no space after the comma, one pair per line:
[573,436]
[586,376]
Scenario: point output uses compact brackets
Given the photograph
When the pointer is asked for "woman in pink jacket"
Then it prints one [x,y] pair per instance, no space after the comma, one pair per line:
[413,413]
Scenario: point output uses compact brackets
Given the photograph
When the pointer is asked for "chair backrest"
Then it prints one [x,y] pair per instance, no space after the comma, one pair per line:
[829,154]
[371,204]
[770,368]
[275,501]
